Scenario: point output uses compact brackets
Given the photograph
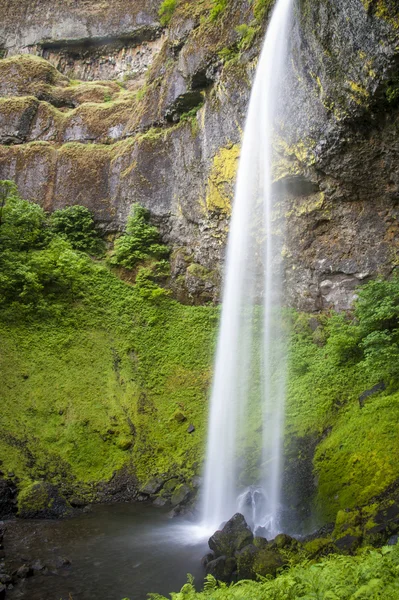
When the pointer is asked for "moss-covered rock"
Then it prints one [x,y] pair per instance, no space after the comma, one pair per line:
[267,562]
[234,536]
[41,500]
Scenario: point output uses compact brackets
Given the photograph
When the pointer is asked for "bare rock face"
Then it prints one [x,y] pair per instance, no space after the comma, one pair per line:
[101,106]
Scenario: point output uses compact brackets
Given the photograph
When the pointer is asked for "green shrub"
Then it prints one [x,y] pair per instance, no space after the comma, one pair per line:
[40,269]
[140,242]
[166,11]
[22,223]
[76,224]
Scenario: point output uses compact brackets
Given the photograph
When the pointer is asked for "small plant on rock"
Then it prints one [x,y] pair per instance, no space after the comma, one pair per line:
[166,11]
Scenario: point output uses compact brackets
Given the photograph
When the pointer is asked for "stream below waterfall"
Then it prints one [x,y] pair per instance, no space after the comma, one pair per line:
[116,551]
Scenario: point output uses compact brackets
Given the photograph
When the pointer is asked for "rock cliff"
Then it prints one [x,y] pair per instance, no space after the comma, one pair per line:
[109,103]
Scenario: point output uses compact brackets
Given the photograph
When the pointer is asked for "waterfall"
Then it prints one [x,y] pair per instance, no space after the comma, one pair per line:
[249,378]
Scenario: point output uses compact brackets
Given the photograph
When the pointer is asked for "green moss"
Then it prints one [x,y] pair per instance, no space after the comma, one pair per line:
[40,499]
[384,9]
[95,390]
[221,179]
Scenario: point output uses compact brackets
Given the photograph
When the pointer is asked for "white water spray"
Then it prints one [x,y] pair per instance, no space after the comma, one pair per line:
[251,298]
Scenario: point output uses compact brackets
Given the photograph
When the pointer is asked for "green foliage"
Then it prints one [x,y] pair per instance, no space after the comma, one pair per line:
[166,11]
[76,224]
[39,270]
[140,242]
[247,34]
[21,222]
[262,9]
[146,284]
[218,8]
[229,54]
[371,574]
[354,460]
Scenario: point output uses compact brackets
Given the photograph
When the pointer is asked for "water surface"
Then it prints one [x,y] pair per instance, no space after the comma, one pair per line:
[116,551]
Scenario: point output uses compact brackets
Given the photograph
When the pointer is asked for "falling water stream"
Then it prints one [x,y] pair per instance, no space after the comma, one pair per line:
[250,345]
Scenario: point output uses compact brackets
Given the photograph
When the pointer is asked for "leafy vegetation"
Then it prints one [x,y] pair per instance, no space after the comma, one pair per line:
[330,368]
[140,242]
[262,8]
[39,270]
[247,34]
[91,383]
[94,368]
[166,11]
[218,8]
[76,224]
[370,575]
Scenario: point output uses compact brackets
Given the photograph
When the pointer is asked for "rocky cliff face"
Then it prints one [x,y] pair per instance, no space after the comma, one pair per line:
[103,106]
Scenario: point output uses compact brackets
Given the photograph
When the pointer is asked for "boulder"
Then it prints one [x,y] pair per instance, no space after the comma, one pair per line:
[348,543]
[42,500]
[234,536]
[181,495]
[153,486]
[268,562]
[222,568]
[207,558]
[282,540]
[246,560]
[23,572]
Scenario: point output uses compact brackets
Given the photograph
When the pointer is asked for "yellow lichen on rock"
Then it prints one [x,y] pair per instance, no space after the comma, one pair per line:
[221,180]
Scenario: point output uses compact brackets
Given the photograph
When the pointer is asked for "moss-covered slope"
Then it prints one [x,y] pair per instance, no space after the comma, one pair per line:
[97,389]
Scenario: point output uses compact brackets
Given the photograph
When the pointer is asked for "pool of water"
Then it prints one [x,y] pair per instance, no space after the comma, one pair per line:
[116,551]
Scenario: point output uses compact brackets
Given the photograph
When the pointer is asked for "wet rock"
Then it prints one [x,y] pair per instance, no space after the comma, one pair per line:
[7,498]
[222,568]
[153,486]
[37,566]
[260,542]
[348,543]
[171,485]
[206,559]
[160,501]
[380,387]
[42,500]
[268,562]
[319,547]
[246,560]
[181,495]
[234,536]
[284,541]
[23,572]
[62,561]
[122,488]
[197,482]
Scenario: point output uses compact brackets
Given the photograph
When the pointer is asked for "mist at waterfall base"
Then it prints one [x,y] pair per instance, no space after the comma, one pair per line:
[244,453]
